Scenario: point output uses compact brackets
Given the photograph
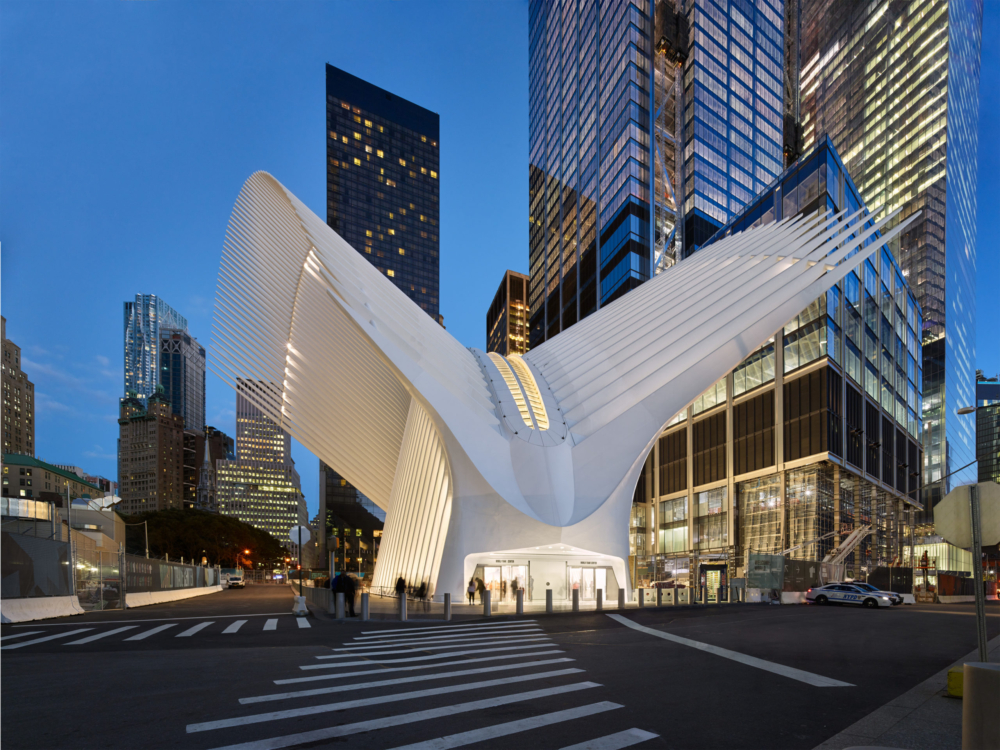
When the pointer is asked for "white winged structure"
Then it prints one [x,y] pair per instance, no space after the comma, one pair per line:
[475,456]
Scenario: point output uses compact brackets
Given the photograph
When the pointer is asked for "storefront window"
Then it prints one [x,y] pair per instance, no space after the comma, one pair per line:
[711,527]
[761,509]
[673,526]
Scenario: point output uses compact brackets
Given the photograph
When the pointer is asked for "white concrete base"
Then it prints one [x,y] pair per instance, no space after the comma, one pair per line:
[39,608]
[957,599]
[793,597]
[299,607]
[908,599]
[145,598]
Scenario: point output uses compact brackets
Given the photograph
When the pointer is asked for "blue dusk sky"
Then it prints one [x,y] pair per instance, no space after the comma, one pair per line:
[128,129]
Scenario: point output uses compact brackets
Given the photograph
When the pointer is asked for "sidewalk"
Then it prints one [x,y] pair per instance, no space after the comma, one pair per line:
[922,718]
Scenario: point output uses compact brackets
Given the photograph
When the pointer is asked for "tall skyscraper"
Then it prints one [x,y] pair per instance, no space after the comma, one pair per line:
[150,454]
[352,519]
[603,184]
[18,400]
[182,375]
[383,184]
[261,485]
[988,428]
[143,320]
[507,318]
[896,87]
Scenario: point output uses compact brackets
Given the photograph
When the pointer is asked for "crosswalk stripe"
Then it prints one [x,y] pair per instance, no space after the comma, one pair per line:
[271,625]
[614,741]
[512,727]
[292,713]
[458,631]
[462,626]
[456,642]
[192,630]
[235,626]
[400,681]
[504,635]
[343,675]
[420,658]
[302,622]
[98,636]
[418,648]
[151,631]
[343,730]
[32,642]
[21,635]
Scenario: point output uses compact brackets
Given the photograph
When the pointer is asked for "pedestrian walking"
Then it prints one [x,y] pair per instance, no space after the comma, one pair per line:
[350,589]
[513,590]
[503,591]
[472,591]
[422,595]
[400,587]
[481,588]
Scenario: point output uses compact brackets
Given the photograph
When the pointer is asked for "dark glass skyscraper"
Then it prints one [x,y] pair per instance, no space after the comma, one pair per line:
[608,83]
[507,318]
[382,182]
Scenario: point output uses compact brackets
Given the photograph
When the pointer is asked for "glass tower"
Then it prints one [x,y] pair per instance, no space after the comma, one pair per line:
[182,375]
[143,320]
[507,318]
[608,82]
[896,87]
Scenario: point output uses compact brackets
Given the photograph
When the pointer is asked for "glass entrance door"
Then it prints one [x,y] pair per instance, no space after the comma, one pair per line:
[588,580]
[713,579]
[499,581]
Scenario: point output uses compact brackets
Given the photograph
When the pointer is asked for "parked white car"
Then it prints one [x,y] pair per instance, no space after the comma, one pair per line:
[845,593]
[893,596]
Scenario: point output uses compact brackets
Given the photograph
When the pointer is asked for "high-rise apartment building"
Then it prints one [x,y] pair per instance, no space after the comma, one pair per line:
[150,454]
[18,400]
[507,318]
[895,85]
[143,320]
[260,486]
[182,375]
[608,85]
[988,428]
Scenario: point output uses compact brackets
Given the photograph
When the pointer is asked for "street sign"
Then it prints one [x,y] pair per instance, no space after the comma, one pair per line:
[953,519]
[299,535]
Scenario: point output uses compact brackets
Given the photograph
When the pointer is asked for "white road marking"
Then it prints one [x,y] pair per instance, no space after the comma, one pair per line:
[614,741]
[271,625]
[235,626]
[417,649]
[151,631]
[157,619]
[342,675]
[292,713]
[768,666]
[400,681]
[511,727]
[421,658]
[453,642]
[302,622]
[22,644]
[453,631]
[343,730]
[21,635]
[404,630]
[192,630]
[98,636]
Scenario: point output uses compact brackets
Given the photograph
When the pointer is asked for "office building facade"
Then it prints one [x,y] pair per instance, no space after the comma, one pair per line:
[895,85]
[199,466]
[182,375]
[813,435]
[150,454]
[507,318]
[609,84]
[988,428]
[18,400]
[351,525]
[144,318]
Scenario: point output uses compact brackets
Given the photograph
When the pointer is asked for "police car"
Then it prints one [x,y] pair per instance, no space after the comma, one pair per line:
[844,593]
[893,596]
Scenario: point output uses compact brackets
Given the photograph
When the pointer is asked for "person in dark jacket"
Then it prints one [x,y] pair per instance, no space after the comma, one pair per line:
[400,586]
[350,590]
[481,588]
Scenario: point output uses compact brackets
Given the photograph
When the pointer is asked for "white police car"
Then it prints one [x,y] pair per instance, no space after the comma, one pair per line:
[845,593]
[893,596]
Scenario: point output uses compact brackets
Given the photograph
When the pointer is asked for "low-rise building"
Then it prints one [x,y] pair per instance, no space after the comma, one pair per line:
[33,479]
[18,400]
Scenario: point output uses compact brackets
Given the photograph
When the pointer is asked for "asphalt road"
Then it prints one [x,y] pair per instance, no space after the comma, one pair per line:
[736,677]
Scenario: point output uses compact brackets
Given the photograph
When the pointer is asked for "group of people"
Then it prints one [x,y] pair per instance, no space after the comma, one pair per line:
[478,586]
[344,583]
[421,593]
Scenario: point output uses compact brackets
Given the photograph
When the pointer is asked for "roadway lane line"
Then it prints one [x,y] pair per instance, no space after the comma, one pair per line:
[151,631]
[614,741]
[271,625]
[157,619]
[450,642]
[293,713]
[21,635]
[342,675]
[344,730]
[404,629]
[302,622]
[519,633]
[235,626]
[418,649]
[400,681]
[22,644]
[388,636]
[752,661]
[512,727]
[191,631]
[546,644]
[98,636]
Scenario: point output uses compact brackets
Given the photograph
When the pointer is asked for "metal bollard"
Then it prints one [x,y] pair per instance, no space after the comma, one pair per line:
[659,597]
[642,598]
[402,607]
[447,606]
[364,607]
[487,603]
[548,601]
[331,603]
[520,601]
[600,599]
[980,698]
[340,605]
[576,600]
[621,598]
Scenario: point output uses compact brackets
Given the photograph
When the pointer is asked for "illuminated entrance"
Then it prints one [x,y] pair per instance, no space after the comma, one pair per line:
[588,580]
[501,580]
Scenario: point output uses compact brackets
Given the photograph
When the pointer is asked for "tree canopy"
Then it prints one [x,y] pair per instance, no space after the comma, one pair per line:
[192,534]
